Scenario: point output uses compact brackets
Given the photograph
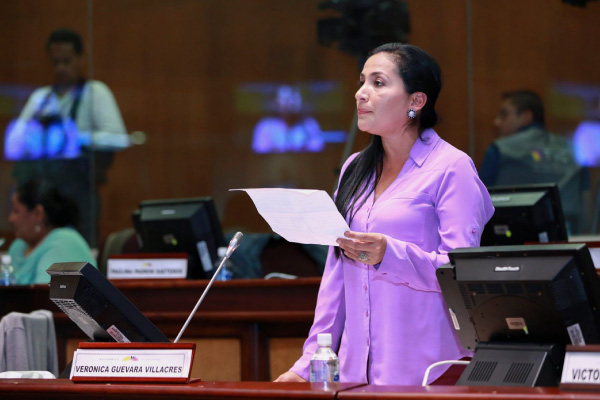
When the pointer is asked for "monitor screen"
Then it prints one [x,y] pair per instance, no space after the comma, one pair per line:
[97,307]
[533,295]
[290,117]
[182,226]
[51,137]
[525,214]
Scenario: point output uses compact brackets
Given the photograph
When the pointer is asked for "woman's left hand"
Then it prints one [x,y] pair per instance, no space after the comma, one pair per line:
[367,248]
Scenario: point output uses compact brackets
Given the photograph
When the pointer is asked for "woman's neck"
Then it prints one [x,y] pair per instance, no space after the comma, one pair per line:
[396,149]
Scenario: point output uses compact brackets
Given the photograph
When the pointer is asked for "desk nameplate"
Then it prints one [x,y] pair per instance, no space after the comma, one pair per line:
[133,362]
[581,369]
[147,266]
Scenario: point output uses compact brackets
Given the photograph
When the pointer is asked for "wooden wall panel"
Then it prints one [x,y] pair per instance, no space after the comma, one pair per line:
[24,28]
[440,29]
[531,44]
[283,353]
[175,65]
[182,64]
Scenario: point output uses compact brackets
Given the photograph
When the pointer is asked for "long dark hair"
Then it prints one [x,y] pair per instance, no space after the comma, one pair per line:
[60,210]
[420,72]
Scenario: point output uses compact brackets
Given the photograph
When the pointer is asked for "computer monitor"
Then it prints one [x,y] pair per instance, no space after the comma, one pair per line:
[525,214]
[518,306]
[183,226]
[97,307]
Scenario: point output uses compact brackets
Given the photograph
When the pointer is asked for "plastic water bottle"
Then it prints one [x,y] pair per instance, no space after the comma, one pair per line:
[324,364]
[227,271]
[7,272]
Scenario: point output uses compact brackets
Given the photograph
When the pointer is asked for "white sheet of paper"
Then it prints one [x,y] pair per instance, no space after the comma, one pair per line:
[299,215]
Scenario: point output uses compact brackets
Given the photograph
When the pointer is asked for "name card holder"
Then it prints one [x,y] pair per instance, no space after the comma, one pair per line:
[147,266]
[581,369]
[133,362]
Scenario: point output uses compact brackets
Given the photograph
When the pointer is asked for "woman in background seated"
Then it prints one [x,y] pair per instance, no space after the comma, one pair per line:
[43,220]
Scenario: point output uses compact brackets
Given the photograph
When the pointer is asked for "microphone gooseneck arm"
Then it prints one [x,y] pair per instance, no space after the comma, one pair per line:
[233,244]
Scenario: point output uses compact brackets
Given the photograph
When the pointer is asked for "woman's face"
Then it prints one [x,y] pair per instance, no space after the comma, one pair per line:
[23,220]
[382,102]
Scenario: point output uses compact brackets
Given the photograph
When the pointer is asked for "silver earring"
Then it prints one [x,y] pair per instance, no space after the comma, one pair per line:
[412,114]
[38,228]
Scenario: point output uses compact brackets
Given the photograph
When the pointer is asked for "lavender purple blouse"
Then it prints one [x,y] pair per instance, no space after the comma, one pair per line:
[392,320]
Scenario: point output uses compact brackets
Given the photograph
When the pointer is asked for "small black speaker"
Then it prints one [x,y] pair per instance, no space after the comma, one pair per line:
[500,364]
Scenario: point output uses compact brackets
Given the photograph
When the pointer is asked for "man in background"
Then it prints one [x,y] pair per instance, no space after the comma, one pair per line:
[526,153]
[66,132]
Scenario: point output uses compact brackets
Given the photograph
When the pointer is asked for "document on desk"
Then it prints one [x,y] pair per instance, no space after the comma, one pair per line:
[299,215]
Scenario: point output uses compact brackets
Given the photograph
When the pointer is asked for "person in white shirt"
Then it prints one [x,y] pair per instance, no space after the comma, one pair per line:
[67,132]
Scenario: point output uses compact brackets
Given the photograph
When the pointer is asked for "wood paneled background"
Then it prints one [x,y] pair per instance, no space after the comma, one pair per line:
[175,67]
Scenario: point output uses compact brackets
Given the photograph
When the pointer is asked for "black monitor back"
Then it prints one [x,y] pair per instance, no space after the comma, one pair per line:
[525,214]
[97,307]
[523,294]
[518,306]
[181,225]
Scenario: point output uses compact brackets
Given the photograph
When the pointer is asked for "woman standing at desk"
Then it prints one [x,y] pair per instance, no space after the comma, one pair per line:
[409,198]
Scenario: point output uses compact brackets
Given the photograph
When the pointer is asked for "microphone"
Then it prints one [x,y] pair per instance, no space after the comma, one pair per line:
[233,244]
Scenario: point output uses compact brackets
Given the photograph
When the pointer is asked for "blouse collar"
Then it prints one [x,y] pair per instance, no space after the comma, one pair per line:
[424,146]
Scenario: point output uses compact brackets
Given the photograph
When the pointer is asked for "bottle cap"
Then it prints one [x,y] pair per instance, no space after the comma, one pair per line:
[221,251]
[6,259]
[324,339]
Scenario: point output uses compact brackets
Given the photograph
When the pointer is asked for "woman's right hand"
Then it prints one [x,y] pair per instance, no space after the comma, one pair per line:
[290,377]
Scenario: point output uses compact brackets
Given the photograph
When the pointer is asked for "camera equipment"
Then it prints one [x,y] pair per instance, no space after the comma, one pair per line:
[363,25]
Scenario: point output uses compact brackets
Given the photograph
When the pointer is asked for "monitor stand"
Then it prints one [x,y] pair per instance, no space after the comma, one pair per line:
[509,364]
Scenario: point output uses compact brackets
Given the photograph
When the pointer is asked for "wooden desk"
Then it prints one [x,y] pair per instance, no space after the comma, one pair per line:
[372,392]
[253,311]
[64,389]
[181,295]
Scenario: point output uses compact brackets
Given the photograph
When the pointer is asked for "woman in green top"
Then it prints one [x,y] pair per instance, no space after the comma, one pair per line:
[43,220]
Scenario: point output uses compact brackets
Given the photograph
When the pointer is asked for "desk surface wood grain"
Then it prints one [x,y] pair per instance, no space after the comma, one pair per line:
[65,389]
